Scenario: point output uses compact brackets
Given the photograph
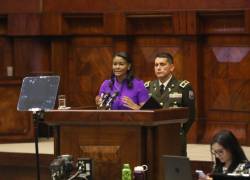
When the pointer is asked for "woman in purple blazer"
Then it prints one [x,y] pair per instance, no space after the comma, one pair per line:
[122,90]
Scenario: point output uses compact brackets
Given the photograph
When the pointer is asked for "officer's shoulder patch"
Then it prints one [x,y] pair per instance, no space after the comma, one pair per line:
[146,84]
[184,83]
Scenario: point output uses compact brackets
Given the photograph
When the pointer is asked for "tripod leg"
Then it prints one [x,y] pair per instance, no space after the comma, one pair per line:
[36,126]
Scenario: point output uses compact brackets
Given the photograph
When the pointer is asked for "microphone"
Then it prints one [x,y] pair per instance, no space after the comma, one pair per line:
[111,99]
[104,99]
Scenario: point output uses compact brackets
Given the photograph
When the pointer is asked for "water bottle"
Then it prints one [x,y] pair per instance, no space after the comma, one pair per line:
[126,172]
[139,172]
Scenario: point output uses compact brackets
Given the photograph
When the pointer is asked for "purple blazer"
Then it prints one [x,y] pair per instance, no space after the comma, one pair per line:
[138,93]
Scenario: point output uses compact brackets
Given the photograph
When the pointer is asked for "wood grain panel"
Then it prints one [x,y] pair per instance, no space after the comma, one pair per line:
[180,24]
[51,24]
[226,85]
[31,56]
[14,6]
[114,145]
[154,23]
[22,166]
[3,24]
[24,24]
[115,23]
[192,22]
[239,128]
[59,61]
[140,5]
[14,126]
[90,65]
[6,59]
[91,23]
[222,22]
[145,50]
[247,19]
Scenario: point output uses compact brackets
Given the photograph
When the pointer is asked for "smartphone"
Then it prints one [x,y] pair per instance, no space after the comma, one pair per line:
[200,173]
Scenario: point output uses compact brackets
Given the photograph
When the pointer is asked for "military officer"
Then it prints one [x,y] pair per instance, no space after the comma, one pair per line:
[170,92]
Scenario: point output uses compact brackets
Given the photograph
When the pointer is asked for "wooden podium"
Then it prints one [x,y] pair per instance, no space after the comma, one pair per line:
[114,137]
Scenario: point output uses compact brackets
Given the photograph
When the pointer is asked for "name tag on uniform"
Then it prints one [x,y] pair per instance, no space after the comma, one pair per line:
[175,95]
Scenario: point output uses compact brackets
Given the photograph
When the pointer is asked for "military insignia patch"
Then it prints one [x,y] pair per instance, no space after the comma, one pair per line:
[175,95]
[184,83]
[191,94]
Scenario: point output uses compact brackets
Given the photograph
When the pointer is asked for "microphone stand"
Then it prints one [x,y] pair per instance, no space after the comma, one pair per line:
[37,116]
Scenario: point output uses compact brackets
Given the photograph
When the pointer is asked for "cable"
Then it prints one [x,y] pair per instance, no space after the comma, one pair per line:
[74,176]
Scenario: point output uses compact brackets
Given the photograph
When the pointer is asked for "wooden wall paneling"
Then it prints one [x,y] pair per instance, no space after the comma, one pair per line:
[14,126]
[222,22]
[192,23]
[179,22]
[22,166]
[78,6]
[200,107]
[60,60]
[6,60]
[239,128]
[24,6]
[90,64]
[113,150]
[247,20]
[122,43]
[248,134]
[150,23]
[115,23]
[87,23]
[3,24]
[51,24]
[140,5]
[190,72]
[145,49]
[226,83]
[24,24]
[31,56]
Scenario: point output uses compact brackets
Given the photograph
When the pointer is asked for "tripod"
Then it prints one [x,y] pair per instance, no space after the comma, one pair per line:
[38,94]
[37,117]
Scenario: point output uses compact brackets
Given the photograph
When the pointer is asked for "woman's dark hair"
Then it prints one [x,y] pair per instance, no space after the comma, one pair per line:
[229,142]
[129,76]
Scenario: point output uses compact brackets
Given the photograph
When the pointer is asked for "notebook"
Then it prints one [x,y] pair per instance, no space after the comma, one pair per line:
[151,103]
[176,168]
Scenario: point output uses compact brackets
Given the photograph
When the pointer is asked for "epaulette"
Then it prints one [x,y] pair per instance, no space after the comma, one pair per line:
[146,84]
[184,83]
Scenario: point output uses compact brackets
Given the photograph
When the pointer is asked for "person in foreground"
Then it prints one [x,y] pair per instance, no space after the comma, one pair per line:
[122,90]
[228,154]
[170,92]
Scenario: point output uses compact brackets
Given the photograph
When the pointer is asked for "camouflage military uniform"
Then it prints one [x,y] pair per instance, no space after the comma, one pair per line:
[176,94]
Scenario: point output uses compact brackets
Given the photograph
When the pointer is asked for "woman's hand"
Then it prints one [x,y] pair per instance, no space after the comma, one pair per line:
[130,103]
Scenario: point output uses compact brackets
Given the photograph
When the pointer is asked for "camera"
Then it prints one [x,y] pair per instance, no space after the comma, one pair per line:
[62,167]
[84,166]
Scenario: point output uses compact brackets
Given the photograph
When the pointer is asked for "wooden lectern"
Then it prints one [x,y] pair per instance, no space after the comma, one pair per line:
[114,137]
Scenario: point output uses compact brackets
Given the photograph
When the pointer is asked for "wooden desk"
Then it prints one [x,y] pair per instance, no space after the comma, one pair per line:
[112,138]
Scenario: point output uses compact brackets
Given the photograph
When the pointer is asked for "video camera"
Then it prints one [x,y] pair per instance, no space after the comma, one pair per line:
[62,167]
